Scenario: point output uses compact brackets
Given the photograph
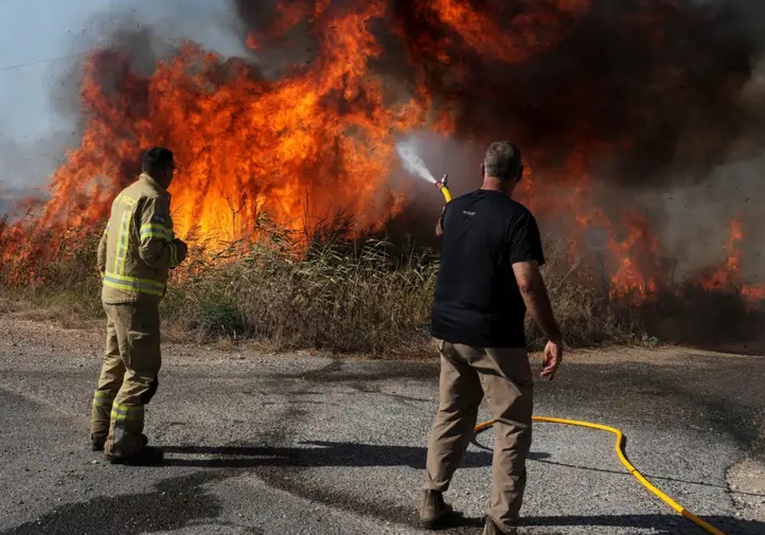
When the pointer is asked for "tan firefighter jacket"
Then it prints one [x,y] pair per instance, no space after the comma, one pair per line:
[138,246]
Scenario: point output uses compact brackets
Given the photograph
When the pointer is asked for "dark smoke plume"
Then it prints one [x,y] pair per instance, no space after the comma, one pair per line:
[667,77]
[659,85]
[665,97]
[663,91]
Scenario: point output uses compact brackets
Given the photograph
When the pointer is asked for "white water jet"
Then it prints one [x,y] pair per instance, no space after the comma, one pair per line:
[412,161]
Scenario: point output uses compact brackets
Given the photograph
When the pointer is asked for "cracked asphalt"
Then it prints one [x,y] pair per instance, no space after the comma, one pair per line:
[263,444]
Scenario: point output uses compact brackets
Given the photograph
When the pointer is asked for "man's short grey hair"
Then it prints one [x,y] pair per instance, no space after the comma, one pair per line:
[502,160]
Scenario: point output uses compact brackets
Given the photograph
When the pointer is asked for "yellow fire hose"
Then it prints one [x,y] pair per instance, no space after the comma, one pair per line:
[619,446]
[441,185]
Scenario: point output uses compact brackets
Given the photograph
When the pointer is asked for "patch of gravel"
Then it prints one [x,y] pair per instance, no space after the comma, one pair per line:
[746,480]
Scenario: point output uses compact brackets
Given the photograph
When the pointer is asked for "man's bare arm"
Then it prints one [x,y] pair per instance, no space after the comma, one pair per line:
[440,223]
[537,300]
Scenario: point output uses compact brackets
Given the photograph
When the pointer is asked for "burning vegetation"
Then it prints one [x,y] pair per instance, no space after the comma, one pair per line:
[630,115]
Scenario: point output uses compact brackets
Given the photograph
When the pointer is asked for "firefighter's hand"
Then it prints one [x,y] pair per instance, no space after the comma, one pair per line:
[553,356]
[183,249]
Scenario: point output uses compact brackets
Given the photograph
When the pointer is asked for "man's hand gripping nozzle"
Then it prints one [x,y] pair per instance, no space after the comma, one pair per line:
[441,185]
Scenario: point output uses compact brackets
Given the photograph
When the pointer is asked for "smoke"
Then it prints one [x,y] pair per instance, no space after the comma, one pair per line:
[667,80]
[143,39]
[27,163]
[665,99]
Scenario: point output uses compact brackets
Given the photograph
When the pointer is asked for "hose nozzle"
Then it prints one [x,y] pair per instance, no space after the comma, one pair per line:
[441,185]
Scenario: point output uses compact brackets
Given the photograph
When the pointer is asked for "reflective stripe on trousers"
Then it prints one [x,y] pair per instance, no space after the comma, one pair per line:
[103,399]
[128,423]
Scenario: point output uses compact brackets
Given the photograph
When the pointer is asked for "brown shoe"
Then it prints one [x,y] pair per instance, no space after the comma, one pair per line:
[490,528]
[433,509]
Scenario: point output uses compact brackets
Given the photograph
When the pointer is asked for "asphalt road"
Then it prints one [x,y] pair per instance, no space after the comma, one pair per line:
[259,444]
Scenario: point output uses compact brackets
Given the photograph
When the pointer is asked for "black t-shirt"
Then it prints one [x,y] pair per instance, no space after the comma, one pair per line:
[477,300]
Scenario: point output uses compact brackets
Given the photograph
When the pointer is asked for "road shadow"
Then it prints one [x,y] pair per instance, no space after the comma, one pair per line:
[316,454]
[544,460]
[652,477]
[173,504]
[661,524]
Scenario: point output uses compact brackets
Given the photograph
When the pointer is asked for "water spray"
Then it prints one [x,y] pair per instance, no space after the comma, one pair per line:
[414,164]
[412,161]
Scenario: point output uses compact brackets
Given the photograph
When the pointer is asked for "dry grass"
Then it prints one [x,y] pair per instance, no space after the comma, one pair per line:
[587,314]
[369,296]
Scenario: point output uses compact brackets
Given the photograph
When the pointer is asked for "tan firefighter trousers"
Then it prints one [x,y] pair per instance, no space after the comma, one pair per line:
[128,377]
[503,376]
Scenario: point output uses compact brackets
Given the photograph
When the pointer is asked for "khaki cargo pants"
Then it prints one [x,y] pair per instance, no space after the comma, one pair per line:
[503,376]
[128,377]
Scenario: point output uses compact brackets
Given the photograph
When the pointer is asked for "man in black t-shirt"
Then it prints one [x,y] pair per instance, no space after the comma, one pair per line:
[489,278]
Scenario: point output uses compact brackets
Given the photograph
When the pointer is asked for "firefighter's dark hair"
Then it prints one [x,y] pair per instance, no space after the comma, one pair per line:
[156,157]
[503,161]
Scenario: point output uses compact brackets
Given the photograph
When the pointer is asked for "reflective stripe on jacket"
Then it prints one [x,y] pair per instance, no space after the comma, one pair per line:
[138,246]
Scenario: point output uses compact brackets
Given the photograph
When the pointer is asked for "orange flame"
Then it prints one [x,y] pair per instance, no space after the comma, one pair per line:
[638,253]
[297,148]
[532,31]
[728,276]
[725,276]
[322,137]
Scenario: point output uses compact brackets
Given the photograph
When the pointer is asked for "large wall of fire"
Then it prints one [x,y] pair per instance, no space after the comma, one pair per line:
[641,119]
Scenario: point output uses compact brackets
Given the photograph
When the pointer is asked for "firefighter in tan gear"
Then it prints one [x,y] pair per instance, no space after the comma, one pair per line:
[136,251]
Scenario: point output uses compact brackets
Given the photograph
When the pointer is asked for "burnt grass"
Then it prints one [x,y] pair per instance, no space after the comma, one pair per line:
[368,296]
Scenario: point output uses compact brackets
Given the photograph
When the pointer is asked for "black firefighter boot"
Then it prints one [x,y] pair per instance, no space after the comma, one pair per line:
[146,456]
[99,445]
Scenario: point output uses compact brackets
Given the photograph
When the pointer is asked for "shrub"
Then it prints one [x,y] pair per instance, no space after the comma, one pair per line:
[327,292]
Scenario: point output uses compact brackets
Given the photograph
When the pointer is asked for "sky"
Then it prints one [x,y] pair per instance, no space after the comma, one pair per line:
[32,31]
[39,43]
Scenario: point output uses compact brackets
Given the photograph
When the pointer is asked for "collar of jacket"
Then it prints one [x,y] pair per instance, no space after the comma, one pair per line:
[155,185]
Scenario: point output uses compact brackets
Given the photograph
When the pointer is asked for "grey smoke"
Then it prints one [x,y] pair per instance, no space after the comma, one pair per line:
[25,164]
[698,160]
[148,35]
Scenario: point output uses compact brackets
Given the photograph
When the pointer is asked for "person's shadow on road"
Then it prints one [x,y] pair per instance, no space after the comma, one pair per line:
[173,504]
[315,454]
[339,454]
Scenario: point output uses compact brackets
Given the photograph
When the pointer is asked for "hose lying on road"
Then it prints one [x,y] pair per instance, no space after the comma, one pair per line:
[623,458]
